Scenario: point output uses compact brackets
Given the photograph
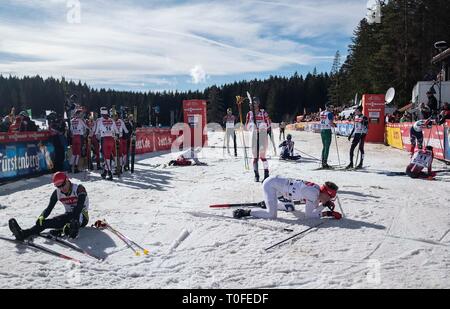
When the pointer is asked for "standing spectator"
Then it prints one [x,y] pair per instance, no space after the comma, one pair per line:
[425,111]
[57,127]
[406,117]
[445,113]
[432,104]
[5,124]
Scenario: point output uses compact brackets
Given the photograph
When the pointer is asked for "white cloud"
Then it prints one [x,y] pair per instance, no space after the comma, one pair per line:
[198,74]
[138,43]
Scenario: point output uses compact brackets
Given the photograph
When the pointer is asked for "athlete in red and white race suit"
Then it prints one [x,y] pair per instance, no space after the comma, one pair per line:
[95,140]
[78,130]
[263,124]
[123,131]
[185,158]
[317,198]
[422,159]
[76,203]
[107,130]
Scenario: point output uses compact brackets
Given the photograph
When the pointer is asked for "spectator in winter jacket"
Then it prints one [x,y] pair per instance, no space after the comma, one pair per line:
[445,113]
[432,104]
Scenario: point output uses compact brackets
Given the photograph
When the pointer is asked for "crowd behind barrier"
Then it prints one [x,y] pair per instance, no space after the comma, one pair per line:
[29,154]
[397,135]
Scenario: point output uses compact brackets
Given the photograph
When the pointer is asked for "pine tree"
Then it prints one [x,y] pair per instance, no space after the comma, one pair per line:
[333,94]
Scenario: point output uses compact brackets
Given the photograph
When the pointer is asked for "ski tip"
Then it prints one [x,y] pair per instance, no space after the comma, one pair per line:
[146,252]
[137,253]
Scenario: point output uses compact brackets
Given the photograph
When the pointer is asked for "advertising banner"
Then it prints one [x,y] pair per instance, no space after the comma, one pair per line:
[374,108]
[151,140]
[394,136]
[24,159]
[344,128]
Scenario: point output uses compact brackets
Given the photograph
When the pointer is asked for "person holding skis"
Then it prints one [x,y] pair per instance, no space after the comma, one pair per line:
[287,150]
[416,133]
[270,132]
[317,198]
[258,125]
[76,203]
[107,130]
[360,129]
[229,121]
[78,129]
[422,159]
[326,126]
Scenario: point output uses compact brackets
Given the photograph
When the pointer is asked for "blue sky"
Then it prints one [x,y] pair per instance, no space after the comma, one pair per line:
[173,45]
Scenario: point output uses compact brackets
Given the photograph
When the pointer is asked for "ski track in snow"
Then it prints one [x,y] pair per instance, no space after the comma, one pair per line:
[400,224]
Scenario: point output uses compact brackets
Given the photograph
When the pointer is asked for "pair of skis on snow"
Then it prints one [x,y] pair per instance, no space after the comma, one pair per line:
[44,249]
[101,225]
[259,204]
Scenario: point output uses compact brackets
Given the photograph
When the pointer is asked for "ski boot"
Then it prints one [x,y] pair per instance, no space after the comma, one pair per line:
[256,176]
[76,170]
[16,230]
[266,175]
[240,213]
[103,174]
[99,167]
[360,166]
[325,165]
[350,166]
[110,176]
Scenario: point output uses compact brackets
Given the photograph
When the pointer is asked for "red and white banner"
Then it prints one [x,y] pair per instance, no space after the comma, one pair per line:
[153,139]
[24,136]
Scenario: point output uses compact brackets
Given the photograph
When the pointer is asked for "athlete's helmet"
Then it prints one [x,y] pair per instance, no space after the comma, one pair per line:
[289,137]
[429,148]
[256,101]
[229,110]
[59,179]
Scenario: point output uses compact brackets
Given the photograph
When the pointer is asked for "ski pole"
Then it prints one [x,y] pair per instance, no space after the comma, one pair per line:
[224,141]
[337,147]
[129,245]
[307,155]
[357,156]
[126,238]
[239,103]
[133,242]
[302,232]
[340,206]
[104,225]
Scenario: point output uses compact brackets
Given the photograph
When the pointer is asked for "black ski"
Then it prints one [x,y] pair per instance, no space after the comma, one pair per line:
[37,247]
[69,245]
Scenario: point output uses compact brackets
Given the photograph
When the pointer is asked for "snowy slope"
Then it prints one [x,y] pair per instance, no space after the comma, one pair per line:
[396,234]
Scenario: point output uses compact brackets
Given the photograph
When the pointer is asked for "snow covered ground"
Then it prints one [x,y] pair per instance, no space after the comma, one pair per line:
[396,233]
